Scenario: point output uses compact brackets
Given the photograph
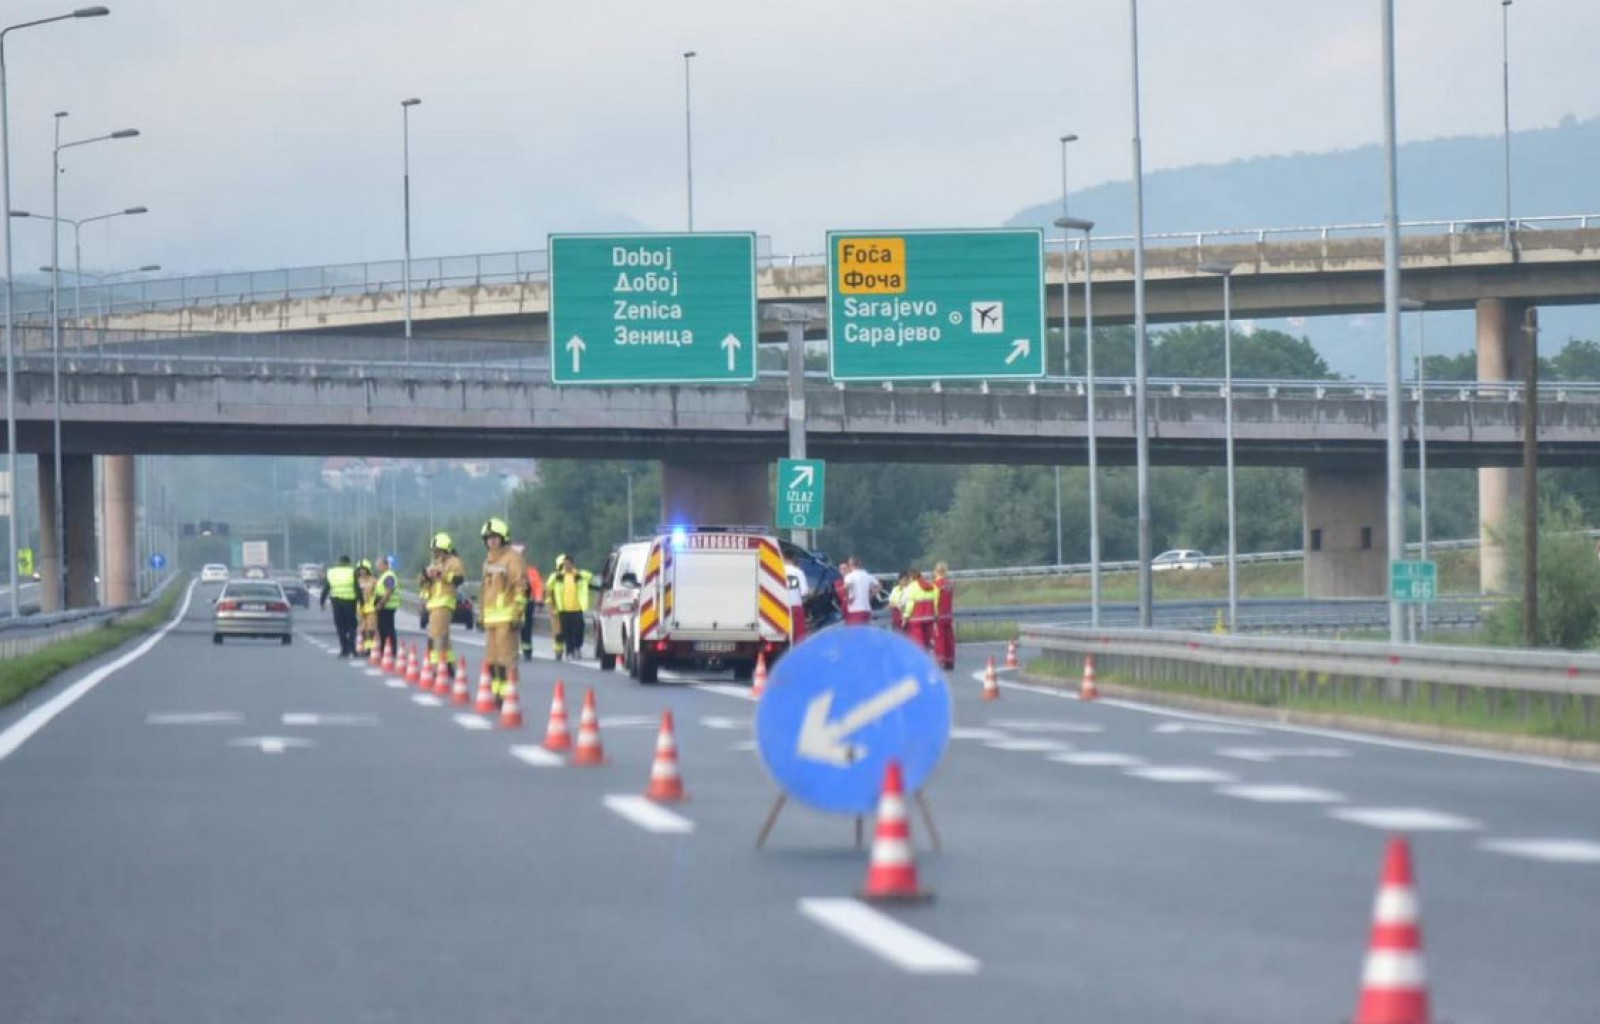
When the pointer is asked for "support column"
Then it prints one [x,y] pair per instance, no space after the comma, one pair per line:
[1346,533]
[120,545]
[78,490]
[721,493]
[1499,489]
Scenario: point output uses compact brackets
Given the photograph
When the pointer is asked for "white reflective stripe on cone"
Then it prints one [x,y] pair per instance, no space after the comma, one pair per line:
[1394,969]
[891,808]
[891,853]
[1395,905]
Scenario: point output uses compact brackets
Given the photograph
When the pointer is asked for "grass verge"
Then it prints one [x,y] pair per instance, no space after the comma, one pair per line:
[1499,712]
[21,675]
[979,631]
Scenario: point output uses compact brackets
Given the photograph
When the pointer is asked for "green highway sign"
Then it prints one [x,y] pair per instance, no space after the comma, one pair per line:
[1413,582]
[800,493]
[936,305]
[653,309]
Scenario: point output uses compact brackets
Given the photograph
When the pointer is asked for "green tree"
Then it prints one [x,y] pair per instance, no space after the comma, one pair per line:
[580,509]
[883,512]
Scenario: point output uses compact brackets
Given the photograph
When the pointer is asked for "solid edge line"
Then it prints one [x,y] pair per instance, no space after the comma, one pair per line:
[24,728]
[901,945]
[647,815]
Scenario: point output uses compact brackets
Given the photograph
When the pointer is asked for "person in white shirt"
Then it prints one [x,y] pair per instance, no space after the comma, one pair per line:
[860,586]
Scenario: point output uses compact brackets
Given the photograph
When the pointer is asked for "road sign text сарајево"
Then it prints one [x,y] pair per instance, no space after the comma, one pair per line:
[936,305]
[653,309]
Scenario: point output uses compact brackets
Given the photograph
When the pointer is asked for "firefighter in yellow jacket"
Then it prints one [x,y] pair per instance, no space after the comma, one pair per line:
[439,583]
[501,604]
[366,607]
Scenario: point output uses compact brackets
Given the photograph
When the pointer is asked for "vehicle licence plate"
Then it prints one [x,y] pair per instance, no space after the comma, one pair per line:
[715,647]
[253,606]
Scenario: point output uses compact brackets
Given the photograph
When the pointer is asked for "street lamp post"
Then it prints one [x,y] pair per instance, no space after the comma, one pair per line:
[1394,466]
[77,247]
[1505,107]
[405,146]
[1066,325]
[5,202]
[688,136]
[1141,376]
[628,475]
[1225,270]
[55,328]
[1067,225]
[99,279]
[1417,306]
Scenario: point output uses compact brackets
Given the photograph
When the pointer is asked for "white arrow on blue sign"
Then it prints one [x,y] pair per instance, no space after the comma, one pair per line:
[840,706]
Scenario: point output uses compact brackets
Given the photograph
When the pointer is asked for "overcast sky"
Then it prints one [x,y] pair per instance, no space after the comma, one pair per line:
[272,130]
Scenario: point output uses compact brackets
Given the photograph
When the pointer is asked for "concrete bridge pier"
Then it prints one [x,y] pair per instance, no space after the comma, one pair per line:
[77,472]
[117,520]
[1501,356]
[716,493]
[1346,533]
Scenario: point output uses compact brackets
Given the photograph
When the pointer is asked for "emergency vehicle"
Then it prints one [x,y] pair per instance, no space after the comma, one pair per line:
[704,597]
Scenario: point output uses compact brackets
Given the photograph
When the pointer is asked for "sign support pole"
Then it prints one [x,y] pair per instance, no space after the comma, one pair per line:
[795,331]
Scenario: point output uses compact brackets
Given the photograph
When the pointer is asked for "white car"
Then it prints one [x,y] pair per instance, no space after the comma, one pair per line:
[214,573]
[1186,559]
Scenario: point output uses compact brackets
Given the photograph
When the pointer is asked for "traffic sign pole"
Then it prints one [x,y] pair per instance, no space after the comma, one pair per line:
[795,329]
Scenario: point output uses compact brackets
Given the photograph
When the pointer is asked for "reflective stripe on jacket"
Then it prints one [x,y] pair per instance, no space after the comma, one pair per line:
[502,595]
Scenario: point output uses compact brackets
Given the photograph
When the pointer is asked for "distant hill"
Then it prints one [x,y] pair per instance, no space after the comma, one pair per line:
[1552,173]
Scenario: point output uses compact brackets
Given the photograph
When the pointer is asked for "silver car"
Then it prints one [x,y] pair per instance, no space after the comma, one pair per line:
[252,608]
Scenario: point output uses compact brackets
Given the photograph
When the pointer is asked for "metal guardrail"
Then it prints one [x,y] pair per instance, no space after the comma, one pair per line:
[527,265]
[23,636]
[1256,615]
[1272,669]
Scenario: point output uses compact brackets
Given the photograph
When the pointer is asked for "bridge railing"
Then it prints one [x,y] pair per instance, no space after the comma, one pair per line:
[531,265]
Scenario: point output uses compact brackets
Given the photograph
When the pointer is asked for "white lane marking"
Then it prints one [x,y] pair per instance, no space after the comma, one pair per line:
[631,721]
[1283,794]
[648,816]
[310,718]
[1028,746]
[741,692]
[1180,773]
[23,728]
[270,744]
[1035,725]
[194,718]
[719,722]
[427,700]
[473,722]
[1097,759]
[538,757]
[1552,851]
[905,947]
[1225,730]
[1416,746]
[744,745]
[976,734]
[1405,819]
[375,673]
[1266,755]
[395,684]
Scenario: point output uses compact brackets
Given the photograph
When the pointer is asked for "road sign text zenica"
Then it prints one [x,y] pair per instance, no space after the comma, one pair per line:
[652,309]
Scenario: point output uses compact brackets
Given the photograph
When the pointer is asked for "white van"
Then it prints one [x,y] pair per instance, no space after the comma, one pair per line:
[619,596]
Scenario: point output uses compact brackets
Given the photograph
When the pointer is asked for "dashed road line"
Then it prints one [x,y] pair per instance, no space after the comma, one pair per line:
[903,946]
[194,718]
[1037,725]
[1266,755]
[1180,773]
[1170,728]
[538,757]
[395,684]
[1551,851]
[726,689]
[648,816]
[719,722]
[473,722]
[427,700]
[976,734]
[1405,819]
[1028,745]
[1283,794]
[309,718]
[1097,759]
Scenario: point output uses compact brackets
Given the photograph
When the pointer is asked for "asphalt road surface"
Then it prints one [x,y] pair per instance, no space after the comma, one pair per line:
[263,833]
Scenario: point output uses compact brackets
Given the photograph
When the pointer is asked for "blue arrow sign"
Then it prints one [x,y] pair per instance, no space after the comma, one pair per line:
[840,706]
[158,561]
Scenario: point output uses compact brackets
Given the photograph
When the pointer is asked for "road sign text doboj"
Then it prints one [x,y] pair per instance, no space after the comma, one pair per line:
[928,305]
[639,309]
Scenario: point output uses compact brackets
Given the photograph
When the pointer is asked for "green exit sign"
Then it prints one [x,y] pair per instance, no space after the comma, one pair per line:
[936,305]
[1413,582]
[653,309]
[800,493]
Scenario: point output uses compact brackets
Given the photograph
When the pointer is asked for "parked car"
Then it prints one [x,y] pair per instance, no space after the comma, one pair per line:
[310,573]
[1185,559]
[466,613]
[252,608]
[215,572]
[296,592]
[255,572]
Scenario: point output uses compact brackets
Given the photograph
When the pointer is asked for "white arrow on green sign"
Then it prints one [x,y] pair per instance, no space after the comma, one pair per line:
[653,309]
[801,485]
[936,305]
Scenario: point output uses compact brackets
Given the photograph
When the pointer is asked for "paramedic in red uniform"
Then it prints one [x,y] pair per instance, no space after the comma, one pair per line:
[944,622]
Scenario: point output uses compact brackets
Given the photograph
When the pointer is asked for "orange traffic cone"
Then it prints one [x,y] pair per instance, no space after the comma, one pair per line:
[413,673]
[1088,690]
[666,782]
[1011,653]
[758,682]
[511,707]
[425,680]
[484,704]
[1394,984]
[892,872]
[374,659]
[991,682]
[556,736]
[441,676]
[386,664]
[459,696]
[588,750]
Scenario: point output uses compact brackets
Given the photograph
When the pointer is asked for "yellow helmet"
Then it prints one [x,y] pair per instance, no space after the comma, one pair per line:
[497,526]
[442,541]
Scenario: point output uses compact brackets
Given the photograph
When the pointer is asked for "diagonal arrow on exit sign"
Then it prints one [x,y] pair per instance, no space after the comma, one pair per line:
[804,476]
